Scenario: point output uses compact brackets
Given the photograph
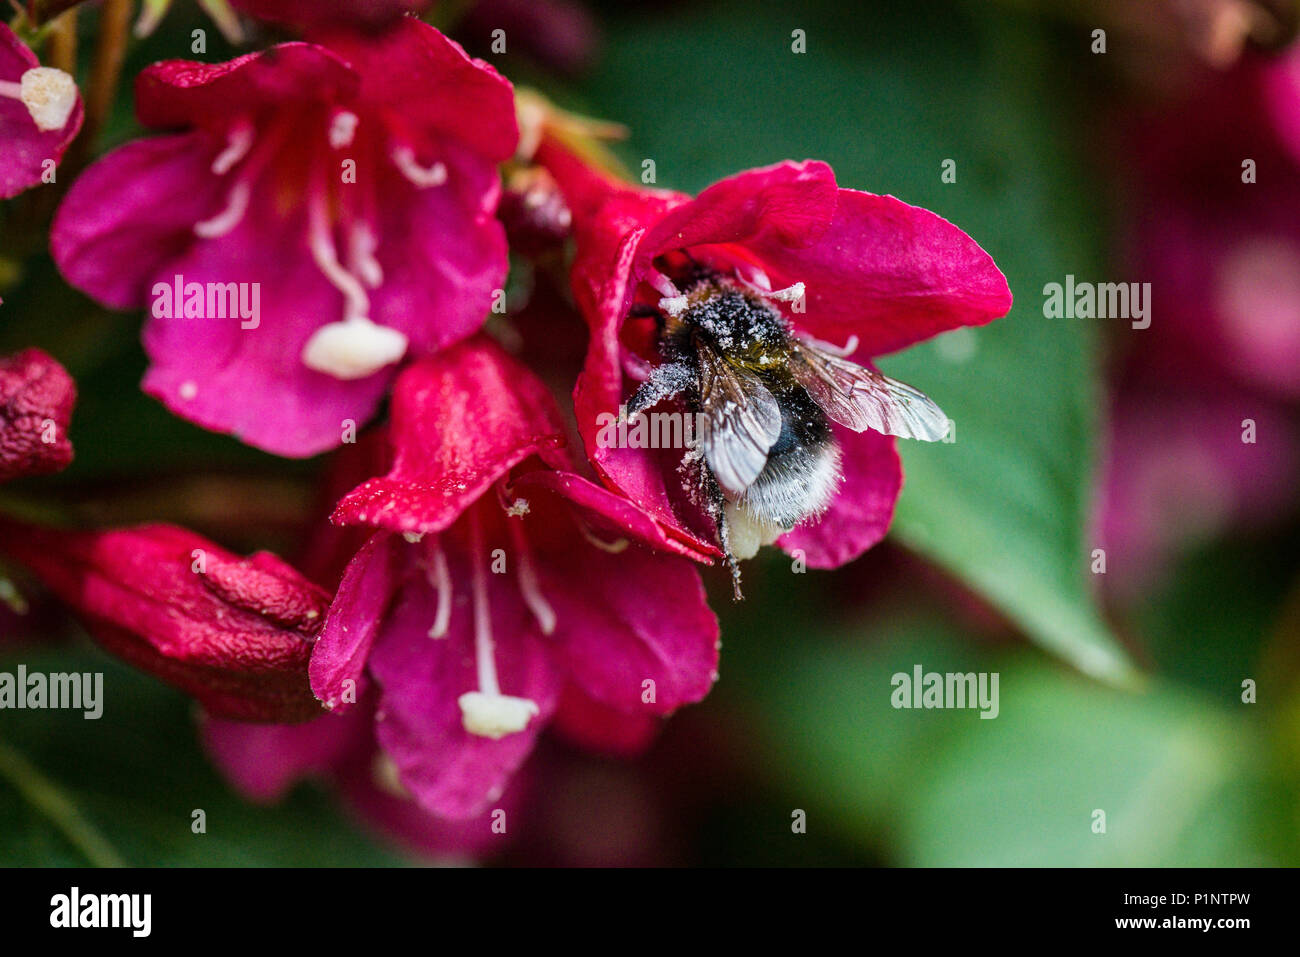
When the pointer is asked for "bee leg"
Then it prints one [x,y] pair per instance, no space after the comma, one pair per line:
[718,509]
[665,382]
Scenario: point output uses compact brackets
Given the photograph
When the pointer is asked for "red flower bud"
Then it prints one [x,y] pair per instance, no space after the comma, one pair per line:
[36,396]
[236,633]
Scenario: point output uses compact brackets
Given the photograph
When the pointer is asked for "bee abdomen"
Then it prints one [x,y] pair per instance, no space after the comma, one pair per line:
[803,466]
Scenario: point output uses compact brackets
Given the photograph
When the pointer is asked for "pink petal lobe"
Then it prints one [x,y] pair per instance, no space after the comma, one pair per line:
[125,217]
[338,659]
[788,205]
[182,94]
[627,619]
[890,274]
[461,419]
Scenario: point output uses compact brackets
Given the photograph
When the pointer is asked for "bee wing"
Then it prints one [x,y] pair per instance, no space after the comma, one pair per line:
[862,399]
[739,422]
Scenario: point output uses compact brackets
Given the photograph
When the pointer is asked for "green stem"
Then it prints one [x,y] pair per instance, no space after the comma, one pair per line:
[46,797]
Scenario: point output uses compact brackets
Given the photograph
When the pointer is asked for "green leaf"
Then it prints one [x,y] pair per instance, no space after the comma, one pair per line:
[123,788]
[1182,779]
[886,98]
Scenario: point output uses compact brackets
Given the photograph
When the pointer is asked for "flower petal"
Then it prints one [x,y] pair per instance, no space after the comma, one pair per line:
[126,216]
[451,772]
[474,104]
[889,273]
[442,251]
[630,618]
[183,94]
[461,419]
[593,726]
[787,205]
[264,761]
[251,382]
[606,515]
[36,399]
[339,656]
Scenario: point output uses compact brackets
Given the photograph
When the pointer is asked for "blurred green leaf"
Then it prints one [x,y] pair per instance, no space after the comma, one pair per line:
[1182,780]
[131,780]
[885,98]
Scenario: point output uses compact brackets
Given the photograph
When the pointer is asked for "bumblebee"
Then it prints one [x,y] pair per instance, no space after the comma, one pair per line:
[764,400]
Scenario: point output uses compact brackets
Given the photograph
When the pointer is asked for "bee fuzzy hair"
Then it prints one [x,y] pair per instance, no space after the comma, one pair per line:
[796,486]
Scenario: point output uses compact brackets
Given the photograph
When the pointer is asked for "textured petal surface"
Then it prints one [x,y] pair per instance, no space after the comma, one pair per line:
[235,633]
[460,420]
[36,399]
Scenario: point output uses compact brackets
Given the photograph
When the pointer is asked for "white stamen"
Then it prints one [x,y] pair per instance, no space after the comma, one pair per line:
[662,284]
[788,294]
[353,348]
[487,712]
[843,351]
[362,244]
[636,368]
[614,547]
[343,128]
[230,217]
[756,279]
[327,260]
[440,580]
[50,96]
[422,176]
[495,715]
[238,143]
[529,587]
[518,508]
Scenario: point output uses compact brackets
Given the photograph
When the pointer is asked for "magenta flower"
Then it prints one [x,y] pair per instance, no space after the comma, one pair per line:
[264,762]
[845,273]
[497,576]
[40,114]
[233,632]
[36,399]
[323,212]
